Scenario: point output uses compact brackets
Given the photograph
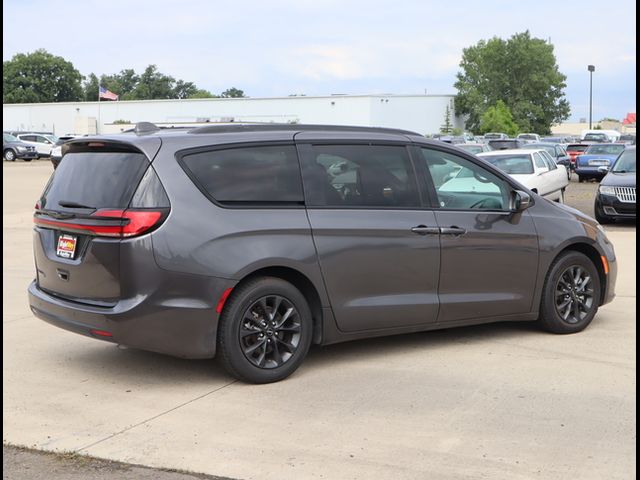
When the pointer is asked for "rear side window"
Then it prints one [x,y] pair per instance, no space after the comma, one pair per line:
[248,175]
[374,176]
[95,179]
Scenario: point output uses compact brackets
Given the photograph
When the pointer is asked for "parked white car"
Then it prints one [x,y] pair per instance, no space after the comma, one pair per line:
[43,142]
[534,168]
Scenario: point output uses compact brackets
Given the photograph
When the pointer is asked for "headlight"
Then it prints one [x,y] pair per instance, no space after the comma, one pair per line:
[22,149]
[604,190]
[56,151]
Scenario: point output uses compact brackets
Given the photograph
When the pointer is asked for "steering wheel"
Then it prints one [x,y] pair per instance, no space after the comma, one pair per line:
[480,178]
[487,203]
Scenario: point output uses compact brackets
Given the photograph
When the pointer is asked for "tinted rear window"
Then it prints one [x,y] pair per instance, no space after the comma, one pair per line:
[95,179]
[264,174]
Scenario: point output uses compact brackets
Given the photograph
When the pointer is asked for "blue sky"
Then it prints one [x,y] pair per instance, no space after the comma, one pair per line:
[320,47]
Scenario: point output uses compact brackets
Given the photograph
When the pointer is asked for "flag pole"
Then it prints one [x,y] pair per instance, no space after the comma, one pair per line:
[98,125]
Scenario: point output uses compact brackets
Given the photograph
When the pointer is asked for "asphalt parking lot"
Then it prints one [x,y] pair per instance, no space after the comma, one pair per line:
[493,401]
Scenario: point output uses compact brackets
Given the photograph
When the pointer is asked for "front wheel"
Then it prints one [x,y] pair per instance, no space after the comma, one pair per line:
[9,155]
[265,330]
[571,294]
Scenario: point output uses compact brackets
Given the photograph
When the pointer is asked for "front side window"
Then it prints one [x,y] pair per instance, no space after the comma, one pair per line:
[261,174]
[462,185]
[376,176]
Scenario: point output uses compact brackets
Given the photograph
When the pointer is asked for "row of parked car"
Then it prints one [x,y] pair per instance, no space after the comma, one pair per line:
[32,145]
[538,166]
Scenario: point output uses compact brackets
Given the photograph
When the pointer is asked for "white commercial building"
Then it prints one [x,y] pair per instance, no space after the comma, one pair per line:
[424,114]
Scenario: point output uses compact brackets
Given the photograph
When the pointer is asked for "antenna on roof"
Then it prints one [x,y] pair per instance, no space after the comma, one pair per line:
[145,127]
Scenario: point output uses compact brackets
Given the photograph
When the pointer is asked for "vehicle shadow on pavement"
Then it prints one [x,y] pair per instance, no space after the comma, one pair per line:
[141,367]
[386,347]
[131,365]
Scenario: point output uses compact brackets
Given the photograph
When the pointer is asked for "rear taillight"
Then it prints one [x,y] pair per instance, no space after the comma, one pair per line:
[108,223]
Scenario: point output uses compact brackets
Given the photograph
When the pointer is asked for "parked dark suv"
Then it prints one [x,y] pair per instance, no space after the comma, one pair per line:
[255,241]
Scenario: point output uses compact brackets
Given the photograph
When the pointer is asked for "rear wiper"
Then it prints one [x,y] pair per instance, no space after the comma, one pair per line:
[70,204]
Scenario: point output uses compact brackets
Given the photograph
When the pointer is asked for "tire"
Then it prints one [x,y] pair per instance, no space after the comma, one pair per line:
[580,179]
[274,351]
[27,159]
[9,155]
[569,174]
[560,306]
[561,199]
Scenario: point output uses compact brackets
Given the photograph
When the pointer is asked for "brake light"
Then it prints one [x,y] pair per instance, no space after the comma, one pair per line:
[139,220]
[108,223]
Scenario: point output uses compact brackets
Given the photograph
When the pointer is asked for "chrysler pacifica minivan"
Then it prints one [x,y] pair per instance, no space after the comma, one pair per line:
[252,242]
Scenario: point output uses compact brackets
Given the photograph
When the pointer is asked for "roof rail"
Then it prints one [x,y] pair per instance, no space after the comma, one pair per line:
[294,127]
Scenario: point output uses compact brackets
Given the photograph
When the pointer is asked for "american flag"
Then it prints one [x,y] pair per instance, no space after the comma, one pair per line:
[104,93]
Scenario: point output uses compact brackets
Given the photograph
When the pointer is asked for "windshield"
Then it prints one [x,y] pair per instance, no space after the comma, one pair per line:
[552,139]
[51,138]
[626,162]
[7,137]
[517,164]
[493,135]
[610,149]
[528,136]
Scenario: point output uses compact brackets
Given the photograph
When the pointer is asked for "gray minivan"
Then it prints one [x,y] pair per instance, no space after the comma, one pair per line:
[255,241]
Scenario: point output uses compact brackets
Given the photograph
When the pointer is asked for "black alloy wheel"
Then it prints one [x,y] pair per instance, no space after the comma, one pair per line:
[265,330]
[574,294]
[270,331]
[571,293]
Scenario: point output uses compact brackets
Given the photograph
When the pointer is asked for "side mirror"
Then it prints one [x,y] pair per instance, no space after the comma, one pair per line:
[603,169]
[520,201]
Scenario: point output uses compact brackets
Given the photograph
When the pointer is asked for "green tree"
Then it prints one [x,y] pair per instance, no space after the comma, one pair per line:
[153,85]
[498,118]
[40,77]
[90,87]
[201,93]
[522,72]
[232,93]
[446,127]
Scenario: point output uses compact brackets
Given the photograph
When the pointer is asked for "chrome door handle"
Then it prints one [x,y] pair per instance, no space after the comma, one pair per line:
[452,231]
[424,230]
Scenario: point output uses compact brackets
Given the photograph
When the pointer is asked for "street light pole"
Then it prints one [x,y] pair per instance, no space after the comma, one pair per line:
[591,69]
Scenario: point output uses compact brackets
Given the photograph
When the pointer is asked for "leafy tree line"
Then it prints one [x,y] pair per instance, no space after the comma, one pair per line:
[42,77]
[522,73]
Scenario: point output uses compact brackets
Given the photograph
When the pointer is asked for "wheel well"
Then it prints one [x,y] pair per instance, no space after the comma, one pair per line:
[594,256]
[302,283]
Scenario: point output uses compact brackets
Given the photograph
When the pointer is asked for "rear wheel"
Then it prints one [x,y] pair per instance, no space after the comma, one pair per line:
[580,178]
[571,294]
[265,330]
[9,155]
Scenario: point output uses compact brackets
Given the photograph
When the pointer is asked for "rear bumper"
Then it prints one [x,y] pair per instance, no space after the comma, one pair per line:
[591,172]
[179,320]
